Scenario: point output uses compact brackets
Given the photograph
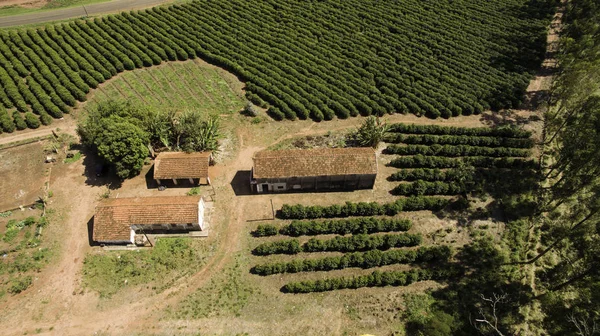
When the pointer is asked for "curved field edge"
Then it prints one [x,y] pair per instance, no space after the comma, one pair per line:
[344,59]
[189,85]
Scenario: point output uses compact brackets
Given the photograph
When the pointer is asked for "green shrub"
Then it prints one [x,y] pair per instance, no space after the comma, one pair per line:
[352,243]
[20,284]
[265,230]
[345,226]
[370,259]
[31,120]
[299,211]
[375,279]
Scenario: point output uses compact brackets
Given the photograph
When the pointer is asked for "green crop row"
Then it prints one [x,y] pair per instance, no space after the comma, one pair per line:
[456,151]
[352,243]
[375,279]
[370,259]
[342,227]
[348,209]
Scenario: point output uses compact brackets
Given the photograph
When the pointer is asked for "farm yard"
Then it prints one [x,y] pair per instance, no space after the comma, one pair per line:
[478,221]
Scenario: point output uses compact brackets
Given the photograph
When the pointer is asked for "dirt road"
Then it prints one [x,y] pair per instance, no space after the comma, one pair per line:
[79,11]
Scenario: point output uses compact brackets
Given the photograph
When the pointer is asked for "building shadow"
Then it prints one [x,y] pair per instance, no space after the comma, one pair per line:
[241,183]
[150,182]
[90,227]
[182,183]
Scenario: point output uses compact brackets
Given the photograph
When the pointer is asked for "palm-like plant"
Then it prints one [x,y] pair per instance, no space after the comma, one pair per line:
[371,132]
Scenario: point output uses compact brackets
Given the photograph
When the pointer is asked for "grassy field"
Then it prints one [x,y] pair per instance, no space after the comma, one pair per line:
[37,6]
[178,86]
[22,249]
[109,272]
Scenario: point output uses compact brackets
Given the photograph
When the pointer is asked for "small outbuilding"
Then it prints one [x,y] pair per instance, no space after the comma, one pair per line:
[180,166]
[122,220]
[314,169]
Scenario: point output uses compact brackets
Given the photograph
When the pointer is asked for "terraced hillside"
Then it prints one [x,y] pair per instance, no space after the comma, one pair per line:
[304,59]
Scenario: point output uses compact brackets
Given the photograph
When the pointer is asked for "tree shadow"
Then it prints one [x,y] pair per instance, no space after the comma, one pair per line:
[97,172]
[505,117]
[241,183]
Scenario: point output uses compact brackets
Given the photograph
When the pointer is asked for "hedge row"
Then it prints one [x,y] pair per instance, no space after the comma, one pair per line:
[484,141]
[427,188]
[299,211]
[420,161]
[341,227]
[425,174]
[456,151]
[375,279]
[370,259]
[353,243]
[389,69]
[504,131]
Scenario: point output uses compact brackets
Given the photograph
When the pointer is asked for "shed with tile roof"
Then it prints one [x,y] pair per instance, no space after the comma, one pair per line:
[319,169]
[177,166]
[118,220]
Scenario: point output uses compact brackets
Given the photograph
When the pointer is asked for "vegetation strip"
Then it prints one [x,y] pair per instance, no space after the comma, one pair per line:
[370,259]
[353,243]
[471,140]
[505,131]
[375,279]
[348,209]
[456,151]
[428,188]
[46,70]
[342,227]
[421,161]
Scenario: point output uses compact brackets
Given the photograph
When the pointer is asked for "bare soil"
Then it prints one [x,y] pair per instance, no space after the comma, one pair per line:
[27,162]
[24,3]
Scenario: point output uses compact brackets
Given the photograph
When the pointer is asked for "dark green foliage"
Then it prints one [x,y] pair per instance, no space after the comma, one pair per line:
[375,279]
[427,188]
[436,61]
[299,211]
[455,150]
[31,120]
[360,242]
[421,161]
[115,134]
[265,230]
[471,140]
[370,259]
[505,131]
[345,226]
[6,124]
[290,246]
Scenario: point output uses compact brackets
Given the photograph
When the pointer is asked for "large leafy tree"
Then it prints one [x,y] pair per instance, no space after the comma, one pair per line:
[121,132]
[123,144]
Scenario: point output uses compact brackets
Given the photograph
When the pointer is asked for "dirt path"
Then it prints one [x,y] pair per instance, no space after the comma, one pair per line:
[78,11]
[70,311]
[66,125]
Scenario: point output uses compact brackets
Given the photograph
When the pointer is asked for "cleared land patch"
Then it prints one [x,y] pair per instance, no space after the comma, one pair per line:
[28,162]
[177,86]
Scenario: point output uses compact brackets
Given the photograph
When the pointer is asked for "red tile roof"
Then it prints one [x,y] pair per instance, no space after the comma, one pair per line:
[115,216]
[315,162]
[179,165]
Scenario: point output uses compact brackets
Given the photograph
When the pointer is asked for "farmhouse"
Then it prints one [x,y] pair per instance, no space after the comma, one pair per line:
[314,169]
[178,166]
[127,220]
